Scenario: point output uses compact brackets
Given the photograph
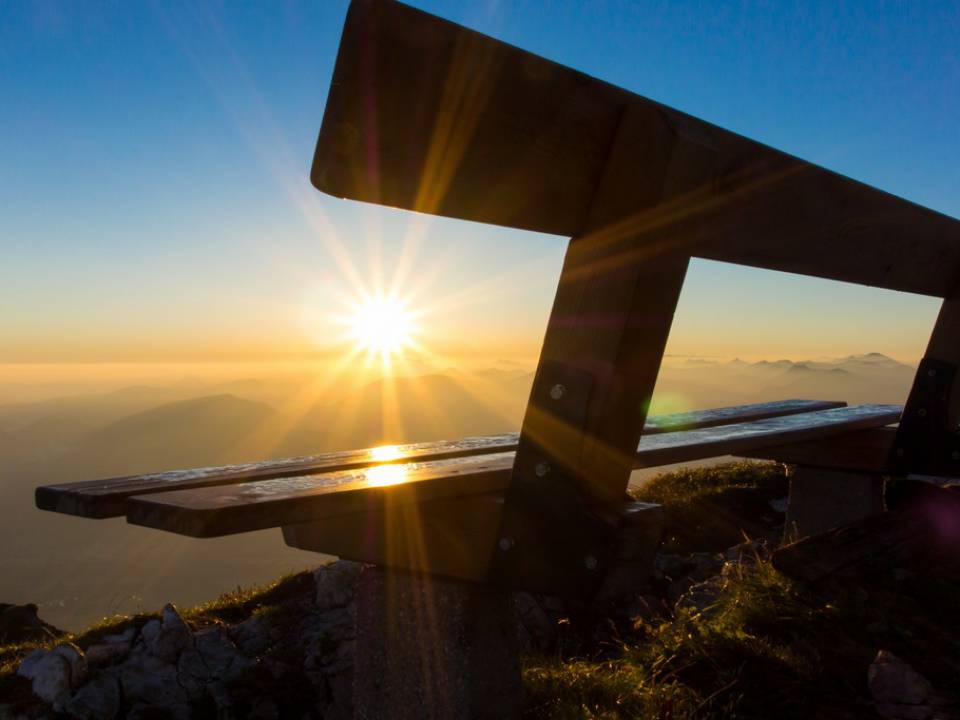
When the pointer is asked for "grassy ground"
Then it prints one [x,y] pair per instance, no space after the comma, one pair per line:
[768,647]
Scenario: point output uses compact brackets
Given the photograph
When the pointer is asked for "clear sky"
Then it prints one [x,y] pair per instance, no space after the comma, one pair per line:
[154,157]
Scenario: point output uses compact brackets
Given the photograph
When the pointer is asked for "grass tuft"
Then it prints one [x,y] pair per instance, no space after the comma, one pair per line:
[694,665]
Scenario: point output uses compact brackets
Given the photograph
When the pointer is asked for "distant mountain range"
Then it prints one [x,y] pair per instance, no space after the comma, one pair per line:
[696,383]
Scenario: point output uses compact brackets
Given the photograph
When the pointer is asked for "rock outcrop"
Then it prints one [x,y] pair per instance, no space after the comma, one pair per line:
[291,659]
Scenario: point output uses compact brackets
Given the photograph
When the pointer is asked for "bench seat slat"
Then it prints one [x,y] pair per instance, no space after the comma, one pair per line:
[256,505]
[107,497]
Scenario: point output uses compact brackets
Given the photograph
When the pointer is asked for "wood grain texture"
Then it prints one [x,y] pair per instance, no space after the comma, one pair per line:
[604,342]
[451,536]
[861,451]
[927,439]
[223,510]
[426,115]
[107,497]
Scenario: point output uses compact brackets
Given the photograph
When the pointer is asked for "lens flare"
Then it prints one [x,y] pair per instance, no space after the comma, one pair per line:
[383,475]
[385,453]
[382,326]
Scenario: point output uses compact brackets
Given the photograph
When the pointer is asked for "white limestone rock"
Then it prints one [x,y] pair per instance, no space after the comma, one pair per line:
[251,636]
[899,691]
[54,673]
[98,699]
[167,637]
[336,584]
[150,681]
[212,658]
[104,654]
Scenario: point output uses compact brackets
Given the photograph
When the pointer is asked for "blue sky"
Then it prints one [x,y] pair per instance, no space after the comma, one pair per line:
[155,204]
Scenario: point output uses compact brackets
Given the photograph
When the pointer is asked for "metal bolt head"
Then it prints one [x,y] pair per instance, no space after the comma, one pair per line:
[590,562]
[922,412]
[931,372]
[542,468]
[557,391]
[506,543]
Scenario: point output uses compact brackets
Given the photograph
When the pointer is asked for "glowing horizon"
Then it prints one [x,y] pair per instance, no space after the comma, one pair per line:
[165,241]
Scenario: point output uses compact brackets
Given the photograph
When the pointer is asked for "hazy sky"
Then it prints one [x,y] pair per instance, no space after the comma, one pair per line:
[155,203]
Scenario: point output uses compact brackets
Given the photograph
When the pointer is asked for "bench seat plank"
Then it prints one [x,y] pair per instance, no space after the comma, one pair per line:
[866,451]
[107,497]
[260,504]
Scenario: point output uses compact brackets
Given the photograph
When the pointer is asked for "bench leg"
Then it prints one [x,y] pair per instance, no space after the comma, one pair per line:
[824,499]
[428,647]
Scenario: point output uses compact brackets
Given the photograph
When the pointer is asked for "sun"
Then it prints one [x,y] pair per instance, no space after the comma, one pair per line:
[382,326]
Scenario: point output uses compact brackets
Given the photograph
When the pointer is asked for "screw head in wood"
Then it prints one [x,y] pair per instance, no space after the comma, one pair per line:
[506,543]
[558,391]
[542,468]
[590,562]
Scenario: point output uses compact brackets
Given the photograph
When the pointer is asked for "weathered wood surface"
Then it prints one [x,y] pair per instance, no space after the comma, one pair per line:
[672,448]
[242,507]
[494,134]
[927,441]
[107,497]
[861,451]
[604,343]
[452,537]
[260,504]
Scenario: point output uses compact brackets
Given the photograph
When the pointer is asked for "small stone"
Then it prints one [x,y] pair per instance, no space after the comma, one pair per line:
[212,657]
[168,637]
[250,636]
[98,699]
[126,636]
[693,569]
[336,583]
[49,674]
[899,691]
[54,673]
[780,505]
[105,654]
[148,680]
[700,598]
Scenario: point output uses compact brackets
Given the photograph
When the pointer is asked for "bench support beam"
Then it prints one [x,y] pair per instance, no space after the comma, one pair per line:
[601,354]
[433,648]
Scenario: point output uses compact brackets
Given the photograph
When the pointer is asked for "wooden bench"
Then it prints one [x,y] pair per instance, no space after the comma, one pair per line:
[428,116]
[214,501]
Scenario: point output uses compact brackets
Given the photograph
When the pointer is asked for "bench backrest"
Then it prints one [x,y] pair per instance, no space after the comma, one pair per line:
[429,116]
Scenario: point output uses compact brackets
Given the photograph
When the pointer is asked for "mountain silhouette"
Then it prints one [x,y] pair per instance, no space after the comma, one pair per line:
[201,431]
